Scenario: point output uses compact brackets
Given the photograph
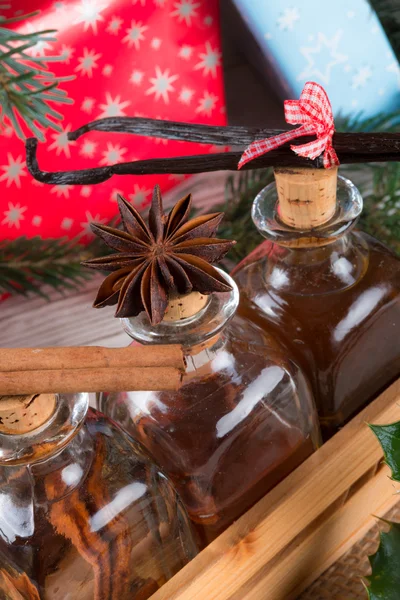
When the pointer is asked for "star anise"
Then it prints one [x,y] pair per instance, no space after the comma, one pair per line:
[171,255]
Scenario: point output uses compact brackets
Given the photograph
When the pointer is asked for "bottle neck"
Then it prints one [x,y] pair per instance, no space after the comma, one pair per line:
[266,217]
[195,333]
[67,417]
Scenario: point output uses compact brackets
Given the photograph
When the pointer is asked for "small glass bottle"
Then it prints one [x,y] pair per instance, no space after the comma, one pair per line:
[242,420]
[331,294]
[83,512]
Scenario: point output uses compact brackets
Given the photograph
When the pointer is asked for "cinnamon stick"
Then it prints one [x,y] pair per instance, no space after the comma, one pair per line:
[94,357]
[89,380]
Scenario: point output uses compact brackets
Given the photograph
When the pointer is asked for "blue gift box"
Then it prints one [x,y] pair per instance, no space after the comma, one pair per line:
[340,45]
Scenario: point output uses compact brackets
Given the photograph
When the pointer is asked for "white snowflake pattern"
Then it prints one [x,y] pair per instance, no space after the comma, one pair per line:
[37,221]
[66,53]
[207,103]
[268,36]
[185,10]
[288,19]
[139,196]
[114,25]
[136,77]
[361,78]
[351,14]
[334,58]
[61,142]
[210,60]
[113,106]
[208,20]
[67,223]
[162,84]
[394,67]
[59,6]
[88,148]
[87,104]
[185,52]
[186,95]
[156,43]
[89,220]
[89,13]
[107,70]
[61,190]
[160,2]
[88,62]
[8,131]
[113,154]
[115,193]
[86,191]
[134,34]
[38,49]
[14,170]
[14,215]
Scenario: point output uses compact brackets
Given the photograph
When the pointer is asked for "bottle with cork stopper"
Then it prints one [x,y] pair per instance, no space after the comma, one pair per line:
[243,417]
[330,293]
[83,512]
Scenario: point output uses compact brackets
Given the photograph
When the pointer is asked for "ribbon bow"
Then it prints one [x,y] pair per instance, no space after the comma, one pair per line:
[313,112]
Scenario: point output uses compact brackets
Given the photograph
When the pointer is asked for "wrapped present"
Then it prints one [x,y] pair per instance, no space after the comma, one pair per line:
[154,58]
[340,45]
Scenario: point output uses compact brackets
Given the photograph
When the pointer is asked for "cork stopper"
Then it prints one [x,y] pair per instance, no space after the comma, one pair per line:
[21,414]
[307,197]
[184,306]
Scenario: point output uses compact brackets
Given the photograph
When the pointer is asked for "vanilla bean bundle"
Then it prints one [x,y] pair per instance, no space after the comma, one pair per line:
[350,148]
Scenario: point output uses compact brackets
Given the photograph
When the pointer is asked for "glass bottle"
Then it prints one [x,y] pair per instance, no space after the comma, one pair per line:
[83,512]
[330,293]
[242,420]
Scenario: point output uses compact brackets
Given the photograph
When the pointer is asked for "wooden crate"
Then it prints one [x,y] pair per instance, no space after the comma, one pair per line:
[304,525]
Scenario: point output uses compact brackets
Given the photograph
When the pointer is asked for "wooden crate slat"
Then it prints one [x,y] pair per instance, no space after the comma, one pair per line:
[243,557]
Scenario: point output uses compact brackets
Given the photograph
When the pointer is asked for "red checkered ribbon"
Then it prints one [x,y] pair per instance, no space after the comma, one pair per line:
[314,113]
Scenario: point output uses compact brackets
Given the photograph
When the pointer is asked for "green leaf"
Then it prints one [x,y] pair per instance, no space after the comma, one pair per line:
[384,583]
[389,439]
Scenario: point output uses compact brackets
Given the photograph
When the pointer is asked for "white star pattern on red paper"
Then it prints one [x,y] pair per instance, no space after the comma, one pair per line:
[87,104]
[207,103]
[160,2]
[7,131]
[14,170]
[89,14]
[66,223]
[86,190]
[288,19]
[186,95]
[115,193]
[37,221]
[208,20]
[155,43]
[134,34]
[14,215]
[113,107]
[88,148]
[114,25]
[40,48]
[89,220]
[88,62]
[66,53]
[107,70]
[185,52]
[61,190]
[139,195]
[185,10]
[113,154]
[61,142]
[210,60]
[136,77]
[162,84]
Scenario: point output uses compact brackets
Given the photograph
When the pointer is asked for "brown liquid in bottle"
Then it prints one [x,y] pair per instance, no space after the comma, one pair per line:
[345,338]
[238,425]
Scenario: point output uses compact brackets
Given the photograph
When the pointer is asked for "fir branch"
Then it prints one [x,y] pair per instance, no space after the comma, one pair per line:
[28,264]
[26,86]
